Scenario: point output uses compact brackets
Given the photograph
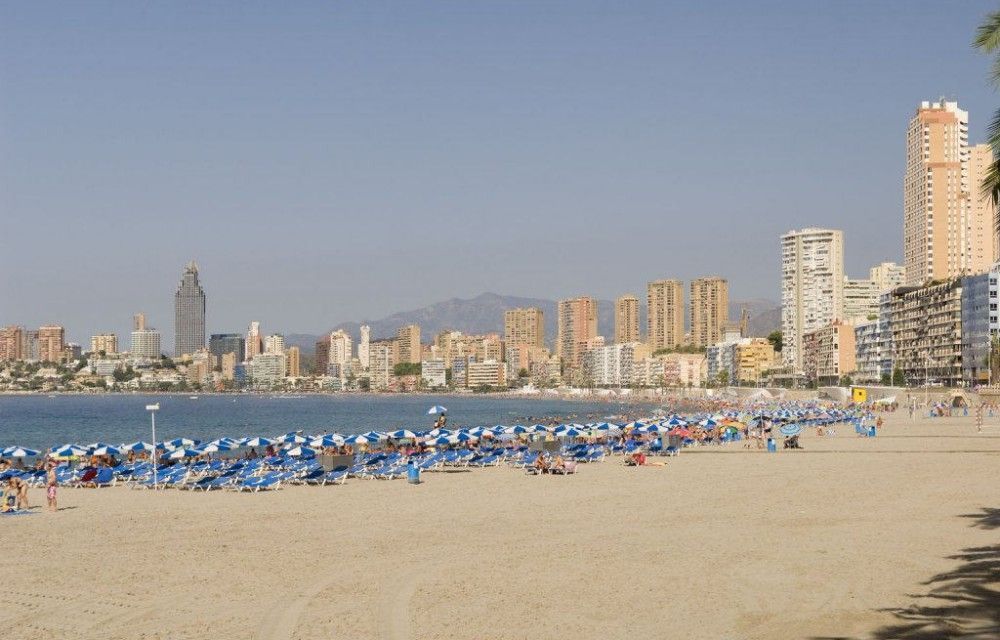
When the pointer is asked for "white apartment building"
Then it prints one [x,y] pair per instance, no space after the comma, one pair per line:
[812,286]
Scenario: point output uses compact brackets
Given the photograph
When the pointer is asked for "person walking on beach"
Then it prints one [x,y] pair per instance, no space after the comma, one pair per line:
[51,483]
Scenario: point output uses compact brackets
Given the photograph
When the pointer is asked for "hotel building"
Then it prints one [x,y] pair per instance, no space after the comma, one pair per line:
[812,286]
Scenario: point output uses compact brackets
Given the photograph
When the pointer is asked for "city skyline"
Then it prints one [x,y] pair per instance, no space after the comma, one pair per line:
[464,156]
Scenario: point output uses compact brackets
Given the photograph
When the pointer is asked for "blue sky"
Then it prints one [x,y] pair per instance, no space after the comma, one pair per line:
[326,162]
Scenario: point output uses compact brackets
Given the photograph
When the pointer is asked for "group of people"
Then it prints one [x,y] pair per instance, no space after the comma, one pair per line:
[557,466]
[15,493]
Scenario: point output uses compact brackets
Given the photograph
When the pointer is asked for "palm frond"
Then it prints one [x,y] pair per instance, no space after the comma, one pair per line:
[988,34]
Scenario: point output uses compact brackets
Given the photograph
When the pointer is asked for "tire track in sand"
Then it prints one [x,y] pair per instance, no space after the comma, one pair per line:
[394,607]
[283,625]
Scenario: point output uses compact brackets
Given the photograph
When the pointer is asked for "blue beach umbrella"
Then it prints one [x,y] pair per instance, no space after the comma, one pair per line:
[258,442]
[328,440]
[138,446]
[213,447]
[442,441]
[178,443]
[19,452]
[69,451]
[184,452]
[790,429]
[106,450]
[436,409]
[360,438]
[402,433]
[301,451]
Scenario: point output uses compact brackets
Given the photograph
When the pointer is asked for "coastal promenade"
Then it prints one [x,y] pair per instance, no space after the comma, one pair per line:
[837,540]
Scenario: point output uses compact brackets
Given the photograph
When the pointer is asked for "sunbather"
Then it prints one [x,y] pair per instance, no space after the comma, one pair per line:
[9,497]
[558,465]
[541,464]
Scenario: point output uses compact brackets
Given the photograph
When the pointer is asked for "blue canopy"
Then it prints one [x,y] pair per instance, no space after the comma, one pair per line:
[790,429]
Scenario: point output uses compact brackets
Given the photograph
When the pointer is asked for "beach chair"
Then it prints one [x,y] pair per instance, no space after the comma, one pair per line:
[671,451]
[337,476]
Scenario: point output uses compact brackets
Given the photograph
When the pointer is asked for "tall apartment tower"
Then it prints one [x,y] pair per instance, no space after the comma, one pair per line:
[274,343]
[189,313]
[255,342]
[983,240]
[812,286]
[665,314]
[627,319]
[408,344]
[51,340]
[139,322]
[577,328]
[709,310]
[947,222]
[524,326]
[364,345]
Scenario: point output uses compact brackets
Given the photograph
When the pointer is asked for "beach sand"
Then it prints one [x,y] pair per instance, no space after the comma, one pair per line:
[720,543]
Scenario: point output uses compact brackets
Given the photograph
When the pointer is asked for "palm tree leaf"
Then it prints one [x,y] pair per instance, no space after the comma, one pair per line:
[988,34]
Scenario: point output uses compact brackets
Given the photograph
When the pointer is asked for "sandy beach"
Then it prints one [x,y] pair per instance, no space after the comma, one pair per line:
[832,541]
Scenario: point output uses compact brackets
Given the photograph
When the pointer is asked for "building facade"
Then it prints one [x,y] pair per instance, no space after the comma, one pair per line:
[665,314]
[828,353]
[812,286]
[926,325]
[220,344]
[627,319]
[577,327]
[255,341]
[189,313]
[106,342]
[12,344]
[754,357]
[525,325]
[977,309]
[146,344]
[408,344]
[709,310]
[51,342]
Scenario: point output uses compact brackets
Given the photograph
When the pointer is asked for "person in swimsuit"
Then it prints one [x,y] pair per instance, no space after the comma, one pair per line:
[50,486]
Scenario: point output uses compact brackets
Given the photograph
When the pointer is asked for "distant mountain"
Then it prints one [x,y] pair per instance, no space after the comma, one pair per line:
[484,314]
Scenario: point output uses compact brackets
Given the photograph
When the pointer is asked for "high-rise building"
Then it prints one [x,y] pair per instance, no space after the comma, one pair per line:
[887,275]
[665,314]
[812,286]
[255,342]
[220,344]
[381,362]
[268,367]
[51,340]
[577,327]
[146,344]
[860,300]
[138,321]
[947,221]
[292,360]
[366,338]
[274,343]
[408,344]
[983,239]
[189,313]
[626,319]
[106,342]
[227,362]
[524,325]
[12,344]
[709,310]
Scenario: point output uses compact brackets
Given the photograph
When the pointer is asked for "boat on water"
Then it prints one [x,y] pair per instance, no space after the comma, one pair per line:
[192,397]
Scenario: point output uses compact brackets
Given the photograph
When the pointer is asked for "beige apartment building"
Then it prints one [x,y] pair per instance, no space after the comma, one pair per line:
[984,250]
[577,327]
[490,373]
[293,358]
[627,319]
[106,342]
[709,310]
[754,357]
[408,344]
[665,314]
[12,344]
[926,325]
[51,341]
[525,325]
[828,353]
[947,223]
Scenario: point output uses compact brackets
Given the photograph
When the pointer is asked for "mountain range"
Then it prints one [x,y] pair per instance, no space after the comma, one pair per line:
[484,314]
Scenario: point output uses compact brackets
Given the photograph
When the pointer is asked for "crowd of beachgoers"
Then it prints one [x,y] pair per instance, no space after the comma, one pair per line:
[255,464]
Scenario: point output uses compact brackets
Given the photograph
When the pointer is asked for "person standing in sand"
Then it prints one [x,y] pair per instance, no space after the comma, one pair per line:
[51,483]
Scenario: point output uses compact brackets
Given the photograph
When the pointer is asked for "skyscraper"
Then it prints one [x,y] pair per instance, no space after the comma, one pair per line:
[220,344]
[665,314]
[577,328]
[812,286]
[627,319]
[255,344]
[51,340]
[709,310]
[363,345]
[408,344]
[524,325]
[947,222]
[274,343]
[189,313]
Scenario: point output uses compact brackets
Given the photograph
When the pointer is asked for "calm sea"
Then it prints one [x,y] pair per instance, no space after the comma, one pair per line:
[41,421]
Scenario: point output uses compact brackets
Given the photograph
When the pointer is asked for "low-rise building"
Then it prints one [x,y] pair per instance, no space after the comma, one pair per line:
[433,373]
[828,353]
[754,356]
[268,368]
[486,374]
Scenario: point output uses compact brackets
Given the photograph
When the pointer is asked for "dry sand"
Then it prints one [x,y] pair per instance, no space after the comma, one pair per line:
[720,543]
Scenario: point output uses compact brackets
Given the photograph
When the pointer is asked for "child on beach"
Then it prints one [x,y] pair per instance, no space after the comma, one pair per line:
[51,483]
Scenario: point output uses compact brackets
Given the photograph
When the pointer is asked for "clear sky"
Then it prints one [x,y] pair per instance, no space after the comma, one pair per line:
[332,161]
